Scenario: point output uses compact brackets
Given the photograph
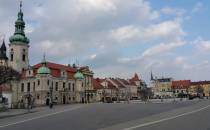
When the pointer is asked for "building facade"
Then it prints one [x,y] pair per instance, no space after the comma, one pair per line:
[116,89]
[161,87]
[180,88]
[45,82]
[201,88]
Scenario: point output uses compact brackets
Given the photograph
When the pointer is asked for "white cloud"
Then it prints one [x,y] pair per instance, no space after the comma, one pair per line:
[93,56]
[204,45]
[173,11]
[146,12]
[97,5]
[125,33]
[162,48]
[179,60]
[92,30]
[164,30]
[53,49]
[197,7]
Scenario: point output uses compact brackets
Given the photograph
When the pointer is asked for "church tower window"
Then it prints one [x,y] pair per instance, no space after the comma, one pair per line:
[24,57]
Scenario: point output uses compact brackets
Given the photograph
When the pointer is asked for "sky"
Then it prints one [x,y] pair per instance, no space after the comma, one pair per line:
[117,38]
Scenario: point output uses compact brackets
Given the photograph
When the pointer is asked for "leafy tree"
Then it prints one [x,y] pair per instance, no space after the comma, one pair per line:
[199,90]
[145,93]
[8,74]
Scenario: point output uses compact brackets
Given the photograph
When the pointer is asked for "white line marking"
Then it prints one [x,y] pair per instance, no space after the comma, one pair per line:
[38,117]
[166,119]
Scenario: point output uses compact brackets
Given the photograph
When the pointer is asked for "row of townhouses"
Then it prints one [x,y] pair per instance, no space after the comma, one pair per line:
[47,82]
[115,89]
[168,87]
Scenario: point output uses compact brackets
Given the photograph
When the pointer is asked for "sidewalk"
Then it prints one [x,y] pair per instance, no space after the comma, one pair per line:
[17,112]
[163,101]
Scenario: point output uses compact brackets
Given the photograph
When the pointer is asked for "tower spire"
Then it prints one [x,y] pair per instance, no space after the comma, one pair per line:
[21,4]
[44,59]
[19,35]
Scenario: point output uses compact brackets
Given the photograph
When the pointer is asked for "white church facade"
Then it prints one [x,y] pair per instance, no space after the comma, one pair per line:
[44,82]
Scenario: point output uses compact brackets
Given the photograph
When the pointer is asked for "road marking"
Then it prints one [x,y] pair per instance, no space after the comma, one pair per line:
[38,117]
[166,119]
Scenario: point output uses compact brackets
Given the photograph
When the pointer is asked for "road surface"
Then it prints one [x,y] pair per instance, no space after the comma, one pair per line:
[192,115]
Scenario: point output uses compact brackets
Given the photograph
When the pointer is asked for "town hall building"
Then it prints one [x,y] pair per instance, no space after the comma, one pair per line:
[44,82]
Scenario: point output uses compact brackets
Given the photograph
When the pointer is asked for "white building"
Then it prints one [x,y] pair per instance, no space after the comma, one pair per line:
[44,82]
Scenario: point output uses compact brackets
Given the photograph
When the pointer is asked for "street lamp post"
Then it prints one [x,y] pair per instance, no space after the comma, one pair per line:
[28,96]
[51,96]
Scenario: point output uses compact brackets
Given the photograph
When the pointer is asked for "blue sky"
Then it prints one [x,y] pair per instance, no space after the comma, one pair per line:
[117,38]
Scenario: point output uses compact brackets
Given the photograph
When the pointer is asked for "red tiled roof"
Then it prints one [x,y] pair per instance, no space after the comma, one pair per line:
[97,83]
[135,78]
[120,85]
[56,69]
[124,81]
[200,83]
[181,84]
[57,66]
[111,85]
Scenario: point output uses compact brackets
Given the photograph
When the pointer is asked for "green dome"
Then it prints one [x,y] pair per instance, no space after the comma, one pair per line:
[19,35]
[78,75]
[43,70]
[18,38]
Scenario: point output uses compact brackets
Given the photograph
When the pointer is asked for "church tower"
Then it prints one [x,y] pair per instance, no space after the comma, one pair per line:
[3,55]
[19,45]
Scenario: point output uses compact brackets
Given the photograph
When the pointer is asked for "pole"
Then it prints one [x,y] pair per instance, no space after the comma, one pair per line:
[51,97]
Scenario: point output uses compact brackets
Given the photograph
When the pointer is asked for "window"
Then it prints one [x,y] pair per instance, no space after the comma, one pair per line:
[24,57]
[64,85]
[56,86]
[28,87]
[11,57]
[48,82]
[29,72]
[69,86]
[22,87]
[73,87]
[37,97]
[38,82]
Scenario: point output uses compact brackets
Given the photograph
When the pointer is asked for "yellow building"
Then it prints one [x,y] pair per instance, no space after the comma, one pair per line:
[205,85]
